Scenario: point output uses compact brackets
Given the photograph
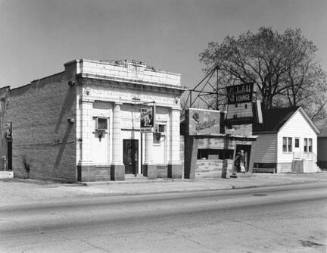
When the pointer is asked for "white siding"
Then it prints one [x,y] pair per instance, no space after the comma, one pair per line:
[264,149]
[297,126]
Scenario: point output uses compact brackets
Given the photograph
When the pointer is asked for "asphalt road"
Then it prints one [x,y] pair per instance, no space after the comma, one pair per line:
[268,219]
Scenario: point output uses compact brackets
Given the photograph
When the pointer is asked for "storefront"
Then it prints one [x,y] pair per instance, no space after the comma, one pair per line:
[100,121]
[208,143]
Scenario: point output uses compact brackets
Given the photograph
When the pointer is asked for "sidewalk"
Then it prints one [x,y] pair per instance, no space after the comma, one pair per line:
[32,191]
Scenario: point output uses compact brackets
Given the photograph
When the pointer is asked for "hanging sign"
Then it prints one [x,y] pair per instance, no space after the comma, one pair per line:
[147,117]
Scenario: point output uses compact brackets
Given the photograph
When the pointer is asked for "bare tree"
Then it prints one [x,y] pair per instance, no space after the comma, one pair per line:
[281,66]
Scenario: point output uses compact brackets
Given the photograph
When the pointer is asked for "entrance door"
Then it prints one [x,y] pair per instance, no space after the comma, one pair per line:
[130,156]
[297,151]
[247,154]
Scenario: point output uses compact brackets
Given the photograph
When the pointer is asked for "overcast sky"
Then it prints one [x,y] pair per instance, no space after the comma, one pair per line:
[39,36]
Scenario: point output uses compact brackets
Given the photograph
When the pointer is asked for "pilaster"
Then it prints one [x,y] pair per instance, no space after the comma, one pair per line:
[117,168]
[86,132]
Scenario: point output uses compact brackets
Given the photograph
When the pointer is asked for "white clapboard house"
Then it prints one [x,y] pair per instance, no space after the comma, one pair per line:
[286,142]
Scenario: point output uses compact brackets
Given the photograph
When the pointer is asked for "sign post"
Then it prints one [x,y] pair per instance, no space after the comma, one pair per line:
[225,161]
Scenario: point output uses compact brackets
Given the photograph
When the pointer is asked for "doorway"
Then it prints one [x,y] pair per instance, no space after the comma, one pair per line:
[130,156]
[247,154]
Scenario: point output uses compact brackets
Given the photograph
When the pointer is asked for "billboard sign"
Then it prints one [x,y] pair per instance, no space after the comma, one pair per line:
[241,93]
[203,122]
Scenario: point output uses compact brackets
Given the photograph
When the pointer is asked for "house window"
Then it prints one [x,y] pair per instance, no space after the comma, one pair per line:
[297,143]
[101,123]
[284,144]
[287,144]
[305,146]
[308,145]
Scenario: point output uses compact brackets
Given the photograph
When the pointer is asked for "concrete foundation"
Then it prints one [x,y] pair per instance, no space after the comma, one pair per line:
[117,172]
[93,173]
[150,171]
[175,171]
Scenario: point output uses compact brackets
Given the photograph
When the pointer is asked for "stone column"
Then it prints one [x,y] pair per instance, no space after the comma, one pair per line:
[150,170]
[175,166]
[117,166]
[86,158]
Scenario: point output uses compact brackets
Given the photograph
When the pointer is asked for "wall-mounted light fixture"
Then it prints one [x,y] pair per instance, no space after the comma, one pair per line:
[71,83]
[71,120]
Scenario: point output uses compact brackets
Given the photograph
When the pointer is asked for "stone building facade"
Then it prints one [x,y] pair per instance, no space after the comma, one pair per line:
[83,124]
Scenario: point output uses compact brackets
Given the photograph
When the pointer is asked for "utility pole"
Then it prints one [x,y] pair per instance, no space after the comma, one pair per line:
[225,161]
[217,89]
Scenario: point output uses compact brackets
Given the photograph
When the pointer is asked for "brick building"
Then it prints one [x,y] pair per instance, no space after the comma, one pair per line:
[83,124]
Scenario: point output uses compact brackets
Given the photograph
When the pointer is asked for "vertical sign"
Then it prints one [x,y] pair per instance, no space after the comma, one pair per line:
[147,117]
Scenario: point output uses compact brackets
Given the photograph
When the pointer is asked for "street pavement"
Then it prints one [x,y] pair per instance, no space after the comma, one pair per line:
[285,218]
[15,191]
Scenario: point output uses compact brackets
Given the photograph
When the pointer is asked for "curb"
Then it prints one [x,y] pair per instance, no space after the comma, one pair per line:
[190,190]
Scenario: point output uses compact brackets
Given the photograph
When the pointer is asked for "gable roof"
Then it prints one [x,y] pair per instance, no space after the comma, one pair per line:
[274,119]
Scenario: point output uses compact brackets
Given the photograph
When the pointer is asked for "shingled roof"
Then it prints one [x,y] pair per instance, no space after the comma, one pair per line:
[273,119]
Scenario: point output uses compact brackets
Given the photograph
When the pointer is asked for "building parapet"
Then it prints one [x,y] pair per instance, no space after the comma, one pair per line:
[125,70]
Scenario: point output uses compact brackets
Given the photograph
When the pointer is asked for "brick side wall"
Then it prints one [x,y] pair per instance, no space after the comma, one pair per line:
[43,139]
[3,140]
